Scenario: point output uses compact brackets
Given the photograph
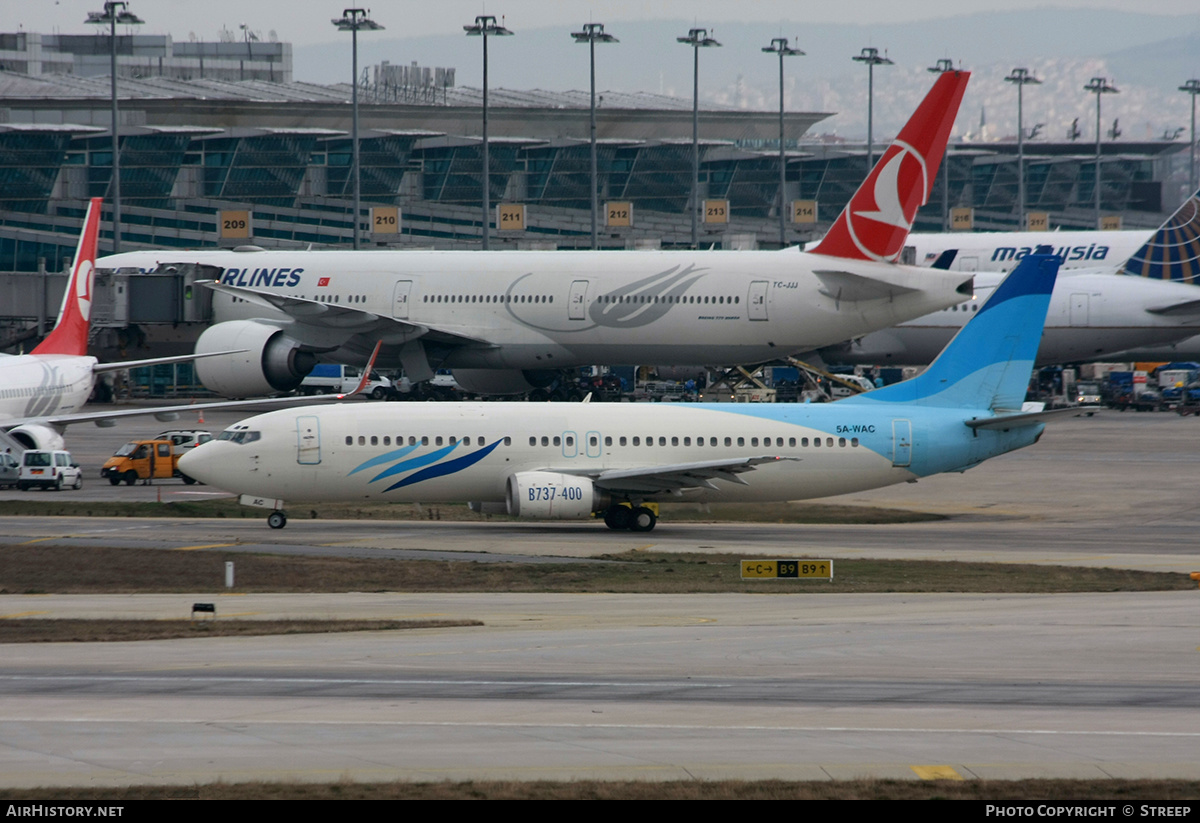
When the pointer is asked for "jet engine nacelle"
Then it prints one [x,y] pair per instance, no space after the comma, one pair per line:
[502,381]
[38,436]
[553,496]
[272,361]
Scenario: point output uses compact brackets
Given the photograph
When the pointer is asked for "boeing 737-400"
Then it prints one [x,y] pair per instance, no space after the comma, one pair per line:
[572,460]
[507,321]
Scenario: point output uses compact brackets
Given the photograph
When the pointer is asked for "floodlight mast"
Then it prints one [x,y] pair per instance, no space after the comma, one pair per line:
[1099,86]
[1022,78]
[592,34]
[870,56]
[485,25]
[1192,87]
[697,39]
[352,20]
[779,45]
[115,11]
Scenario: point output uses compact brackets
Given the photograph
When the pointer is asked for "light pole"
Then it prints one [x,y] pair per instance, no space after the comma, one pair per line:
[1192,87]
[779,45]
[942,66]
[1022,78]
[871,57]
[485,24]
[697,39]
[115,12]
[1098,86]
[592,34]
[352,20]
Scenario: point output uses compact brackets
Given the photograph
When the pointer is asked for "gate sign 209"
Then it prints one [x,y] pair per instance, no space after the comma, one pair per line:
[774,569]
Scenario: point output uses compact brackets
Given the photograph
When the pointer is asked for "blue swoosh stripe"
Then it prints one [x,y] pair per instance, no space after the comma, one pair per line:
[449,467]
[383,458]
[416,462]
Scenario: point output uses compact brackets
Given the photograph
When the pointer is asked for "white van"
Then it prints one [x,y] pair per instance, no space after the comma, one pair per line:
[49,470]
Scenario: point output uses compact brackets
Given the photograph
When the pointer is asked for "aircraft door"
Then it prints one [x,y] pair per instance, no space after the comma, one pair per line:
[593,444]
[758,300]
[570,446]
[1079,310]
[308,440]
[577,301]
[901,443]
[400,299]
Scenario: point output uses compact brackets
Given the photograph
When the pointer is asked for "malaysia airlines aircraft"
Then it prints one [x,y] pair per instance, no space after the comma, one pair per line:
[1000,251]
[506,321]
[44,391]
[1149,301]
[569,460]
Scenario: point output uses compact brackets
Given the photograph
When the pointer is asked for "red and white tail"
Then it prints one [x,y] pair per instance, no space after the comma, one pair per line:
[70,333]
[876,221]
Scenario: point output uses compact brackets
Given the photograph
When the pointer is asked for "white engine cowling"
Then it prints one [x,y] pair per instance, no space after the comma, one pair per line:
[552,496]
[502,381]
[272,362]
[38,436]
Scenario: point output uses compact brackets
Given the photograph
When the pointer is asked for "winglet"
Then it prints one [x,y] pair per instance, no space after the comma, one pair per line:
[878,218]
[70,333]
[366,375]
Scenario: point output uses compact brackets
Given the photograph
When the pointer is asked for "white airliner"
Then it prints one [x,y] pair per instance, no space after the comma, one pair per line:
[1000,251]
[506,321]
[570,460]
[1148,300]
[44,391]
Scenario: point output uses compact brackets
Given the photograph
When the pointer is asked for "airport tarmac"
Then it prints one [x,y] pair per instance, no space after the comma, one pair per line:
[654,687]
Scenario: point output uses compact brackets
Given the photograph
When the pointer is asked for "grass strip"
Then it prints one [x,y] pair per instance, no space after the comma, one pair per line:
[71,630]
[46,568]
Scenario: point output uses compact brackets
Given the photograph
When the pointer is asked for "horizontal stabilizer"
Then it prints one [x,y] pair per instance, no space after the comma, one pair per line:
[1016,420]
[844,285]
[1187,308]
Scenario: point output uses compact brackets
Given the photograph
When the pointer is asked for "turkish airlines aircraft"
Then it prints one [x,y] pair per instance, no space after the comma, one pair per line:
[569,460]
[506,321]
[1149,300]
[44,391]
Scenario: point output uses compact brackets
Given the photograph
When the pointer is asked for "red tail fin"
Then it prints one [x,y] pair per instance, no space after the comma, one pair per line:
[70,333]
[876,221]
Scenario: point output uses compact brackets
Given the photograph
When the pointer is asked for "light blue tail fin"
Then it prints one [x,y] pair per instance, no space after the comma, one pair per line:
[1173,253]
[988,363]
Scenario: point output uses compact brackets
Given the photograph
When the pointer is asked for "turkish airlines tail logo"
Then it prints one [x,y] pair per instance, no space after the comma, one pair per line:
[876,221]
[70,333]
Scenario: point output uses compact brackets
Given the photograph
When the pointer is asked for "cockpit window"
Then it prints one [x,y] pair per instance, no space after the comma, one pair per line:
[240,437]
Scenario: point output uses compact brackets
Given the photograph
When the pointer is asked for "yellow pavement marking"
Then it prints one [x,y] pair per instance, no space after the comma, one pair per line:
[21,614]
[205,546]
[937,773]
[44,539]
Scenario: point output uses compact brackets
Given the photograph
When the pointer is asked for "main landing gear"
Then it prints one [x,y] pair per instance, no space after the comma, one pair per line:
[639,519]
[276,520]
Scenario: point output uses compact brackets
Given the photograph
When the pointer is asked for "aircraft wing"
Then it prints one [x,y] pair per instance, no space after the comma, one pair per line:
[337,317]
[675,478]
[158,361]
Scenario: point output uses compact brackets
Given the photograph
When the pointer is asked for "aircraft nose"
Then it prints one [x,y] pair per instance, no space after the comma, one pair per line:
[200,464]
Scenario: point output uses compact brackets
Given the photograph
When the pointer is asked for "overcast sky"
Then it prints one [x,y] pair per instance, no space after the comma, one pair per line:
[307,21]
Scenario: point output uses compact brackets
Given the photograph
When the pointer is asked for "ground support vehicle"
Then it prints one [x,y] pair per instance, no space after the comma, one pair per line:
[146,460]
[49,469]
